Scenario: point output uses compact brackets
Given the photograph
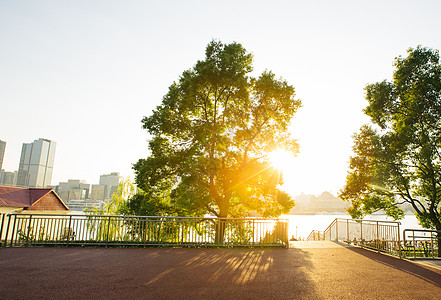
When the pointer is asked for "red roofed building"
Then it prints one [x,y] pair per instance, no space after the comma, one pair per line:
[30,200]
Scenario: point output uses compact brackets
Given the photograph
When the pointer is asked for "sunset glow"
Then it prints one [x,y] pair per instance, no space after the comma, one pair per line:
[281,159]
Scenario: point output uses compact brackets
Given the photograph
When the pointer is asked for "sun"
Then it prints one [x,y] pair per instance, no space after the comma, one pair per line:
[280,159]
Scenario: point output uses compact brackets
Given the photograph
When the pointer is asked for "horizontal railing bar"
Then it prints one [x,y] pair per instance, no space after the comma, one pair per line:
[367,221]
[147,217]
[422,230]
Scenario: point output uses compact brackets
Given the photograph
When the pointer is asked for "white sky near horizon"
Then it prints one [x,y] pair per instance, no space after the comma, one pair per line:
[84,73]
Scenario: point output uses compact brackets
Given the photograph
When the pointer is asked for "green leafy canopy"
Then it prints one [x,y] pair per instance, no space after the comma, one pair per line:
[397,158]
[210,140]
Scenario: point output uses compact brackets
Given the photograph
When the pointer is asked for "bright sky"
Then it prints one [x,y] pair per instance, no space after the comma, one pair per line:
[84,73]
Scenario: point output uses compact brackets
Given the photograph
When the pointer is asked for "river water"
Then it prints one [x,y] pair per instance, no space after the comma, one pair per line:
[300,226]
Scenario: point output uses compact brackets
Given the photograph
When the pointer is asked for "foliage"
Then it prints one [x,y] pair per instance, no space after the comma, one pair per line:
[397,158]
[32,235]
[117,204]
[102,227]
[210,140]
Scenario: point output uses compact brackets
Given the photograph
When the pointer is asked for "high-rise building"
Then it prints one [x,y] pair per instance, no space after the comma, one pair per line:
[108,185]
[2,152]
[8,178]
[36,163]
[73,189]
[110,181]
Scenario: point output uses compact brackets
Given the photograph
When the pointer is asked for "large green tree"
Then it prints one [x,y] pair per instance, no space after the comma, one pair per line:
[397,159]
[210,138]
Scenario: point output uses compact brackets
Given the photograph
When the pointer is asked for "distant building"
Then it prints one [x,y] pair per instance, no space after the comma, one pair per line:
[108,185]
[79,195]
[97,192]
[36,163]
[73,189]
[8,178]
[2,152]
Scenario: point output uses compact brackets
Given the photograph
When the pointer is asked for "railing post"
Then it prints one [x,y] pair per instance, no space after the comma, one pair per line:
[1,228]
[378,239]
[108,230]
[414,245]
[29,227]
[431,244]
[253,231]
[68,231]
[182,229]
[13,229]
[347,231]
[7,231]
[336,230]
[361,233]
[399,241]
[145,230]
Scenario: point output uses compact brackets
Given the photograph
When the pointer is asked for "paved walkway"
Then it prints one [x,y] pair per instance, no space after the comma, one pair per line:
[309,270]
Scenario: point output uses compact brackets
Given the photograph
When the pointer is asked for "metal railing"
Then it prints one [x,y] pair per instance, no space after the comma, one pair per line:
[104,230]
[316,235]
[421,242]
[382,236]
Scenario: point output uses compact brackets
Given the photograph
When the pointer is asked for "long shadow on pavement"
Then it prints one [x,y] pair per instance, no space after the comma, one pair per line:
[432,276]
[72,273]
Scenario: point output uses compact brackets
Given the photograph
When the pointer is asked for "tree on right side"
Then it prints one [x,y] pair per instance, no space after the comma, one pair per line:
[397,158]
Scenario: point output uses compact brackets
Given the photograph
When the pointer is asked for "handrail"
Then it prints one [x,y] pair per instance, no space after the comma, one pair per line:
[162,217]
[383,236]
[316,235]
[424,246]
[111,230]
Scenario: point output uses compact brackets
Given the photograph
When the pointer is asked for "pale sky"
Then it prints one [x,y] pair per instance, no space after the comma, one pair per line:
[84,73]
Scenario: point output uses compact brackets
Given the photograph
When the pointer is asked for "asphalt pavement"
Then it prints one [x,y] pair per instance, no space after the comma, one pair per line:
[308,270]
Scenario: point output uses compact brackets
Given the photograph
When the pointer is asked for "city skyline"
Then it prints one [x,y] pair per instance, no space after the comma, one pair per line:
[85,74]
[35,154]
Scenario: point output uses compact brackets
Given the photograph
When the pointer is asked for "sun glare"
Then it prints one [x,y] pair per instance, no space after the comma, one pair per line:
[280,159]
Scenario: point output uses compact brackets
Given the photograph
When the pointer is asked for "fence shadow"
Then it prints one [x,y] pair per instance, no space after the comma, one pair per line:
[429,275]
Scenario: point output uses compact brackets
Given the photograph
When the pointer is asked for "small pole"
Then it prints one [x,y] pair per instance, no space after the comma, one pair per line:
[68,231]
[414,245]
[253,232]
[1,228]
[29,228]
[378,239]
[108,230]
[431,244]
[399,241]
[7,231]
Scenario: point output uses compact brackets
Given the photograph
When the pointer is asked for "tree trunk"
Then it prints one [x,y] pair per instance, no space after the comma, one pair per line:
[438,234]
[221,222]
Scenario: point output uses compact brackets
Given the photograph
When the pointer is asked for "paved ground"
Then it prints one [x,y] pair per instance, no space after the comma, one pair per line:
[309,270]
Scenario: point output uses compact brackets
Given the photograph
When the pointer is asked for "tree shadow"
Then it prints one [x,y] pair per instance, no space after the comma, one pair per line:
[239,273]
[157,273]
